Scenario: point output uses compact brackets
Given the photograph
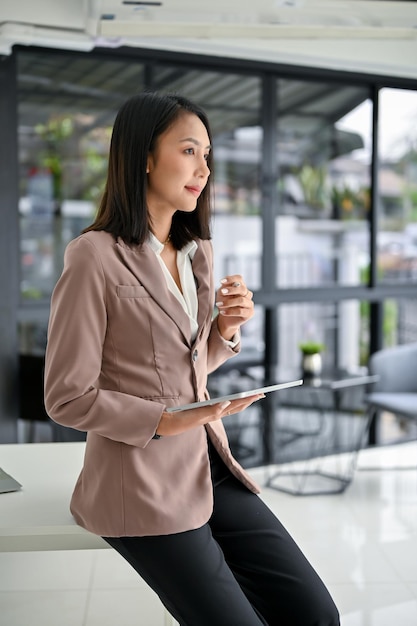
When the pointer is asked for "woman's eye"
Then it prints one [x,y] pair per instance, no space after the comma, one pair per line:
[206,156]
[189,150]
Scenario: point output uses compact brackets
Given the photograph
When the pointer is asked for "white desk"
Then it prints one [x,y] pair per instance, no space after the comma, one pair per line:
[37,517]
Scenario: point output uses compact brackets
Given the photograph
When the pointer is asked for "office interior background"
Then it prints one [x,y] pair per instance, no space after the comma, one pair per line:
[313,105]
[315,178]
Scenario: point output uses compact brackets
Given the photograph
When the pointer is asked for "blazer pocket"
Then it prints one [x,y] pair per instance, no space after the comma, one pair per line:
[131,291]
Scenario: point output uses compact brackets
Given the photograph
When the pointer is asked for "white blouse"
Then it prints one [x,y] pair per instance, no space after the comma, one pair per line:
[188,297]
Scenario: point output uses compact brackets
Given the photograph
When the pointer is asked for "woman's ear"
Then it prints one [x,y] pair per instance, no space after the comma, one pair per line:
[148,164]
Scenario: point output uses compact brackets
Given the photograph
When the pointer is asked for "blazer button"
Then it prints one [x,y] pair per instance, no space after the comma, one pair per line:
[195,355]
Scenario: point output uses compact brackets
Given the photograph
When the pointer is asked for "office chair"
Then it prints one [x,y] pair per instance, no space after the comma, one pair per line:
[396,388]
[31,403]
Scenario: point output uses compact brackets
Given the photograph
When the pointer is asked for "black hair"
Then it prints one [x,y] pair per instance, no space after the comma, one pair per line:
[123,210]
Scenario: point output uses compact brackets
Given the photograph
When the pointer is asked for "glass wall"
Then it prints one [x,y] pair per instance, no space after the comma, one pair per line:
[342,328]
[67,105]
[397,201]
[323,178]
[320,134]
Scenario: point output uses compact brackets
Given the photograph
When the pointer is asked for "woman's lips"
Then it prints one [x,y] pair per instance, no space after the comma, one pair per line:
[194,190]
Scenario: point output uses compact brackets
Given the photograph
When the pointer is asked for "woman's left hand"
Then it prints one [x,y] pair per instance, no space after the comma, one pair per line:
[234,301]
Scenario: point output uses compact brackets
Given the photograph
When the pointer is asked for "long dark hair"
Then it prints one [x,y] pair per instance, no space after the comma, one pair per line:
[123,210]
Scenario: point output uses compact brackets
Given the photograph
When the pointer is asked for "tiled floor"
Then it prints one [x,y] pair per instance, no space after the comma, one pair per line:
[363,543]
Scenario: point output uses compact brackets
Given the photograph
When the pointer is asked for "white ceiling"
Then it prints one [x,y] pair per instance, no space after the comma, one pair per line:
[372,36]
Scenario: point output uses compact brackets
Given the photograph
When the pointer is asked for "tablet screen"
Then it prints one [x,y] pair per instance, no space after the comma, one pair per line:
[235,396]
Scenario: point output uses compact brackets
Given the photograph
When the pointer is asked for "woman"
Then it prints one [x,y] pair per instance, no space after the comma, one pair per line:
[132,333]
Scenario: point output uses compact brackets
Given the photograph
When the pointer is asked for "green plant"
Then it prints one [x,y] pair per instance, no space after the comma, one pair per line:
[351,203]
[311,347]
[55,133]
[313,181]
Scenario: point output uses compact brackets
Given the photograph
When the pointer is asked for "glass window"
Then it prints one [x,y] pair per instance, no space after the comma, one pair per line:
[67,105]
[324,137]
[342,328]
[397,201]
[399,321]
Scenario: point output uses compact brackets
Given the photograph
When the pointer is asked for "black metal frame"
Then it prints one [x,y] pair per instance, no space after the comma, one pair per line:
[9,256]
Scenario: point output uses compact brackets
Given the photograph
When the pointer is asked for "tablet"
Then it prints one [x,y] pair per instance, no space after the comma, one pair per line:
[235,396]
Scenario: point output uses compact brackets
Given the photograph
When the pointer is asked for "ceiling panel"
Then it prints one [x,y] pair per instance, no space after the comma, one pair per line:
[374,36]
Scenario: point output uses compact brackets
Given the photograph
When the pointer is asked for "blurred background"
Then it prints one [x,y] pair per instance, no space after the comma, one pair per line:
[315,173]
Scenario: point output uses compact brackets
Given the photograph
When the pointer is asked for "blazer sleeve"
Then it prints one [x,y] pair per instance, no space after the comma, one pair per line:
[219,350]
[76,334]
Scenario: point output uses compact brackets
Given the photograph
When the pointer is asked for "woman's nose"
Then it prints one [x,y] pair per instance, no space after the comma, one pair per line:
[204,169]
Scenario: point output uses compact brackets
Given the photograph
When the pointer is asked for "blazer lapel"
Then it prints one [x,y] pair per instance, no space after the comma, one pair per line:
[205,293]
[144,265]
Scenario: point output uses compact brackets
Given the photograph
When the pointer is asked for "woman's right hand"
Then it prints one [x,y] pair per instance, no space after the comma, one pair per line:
[180,421]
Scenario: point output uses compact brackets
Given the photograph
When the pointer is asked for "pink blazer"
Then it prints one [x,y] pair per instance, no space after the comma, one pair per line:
[119,351]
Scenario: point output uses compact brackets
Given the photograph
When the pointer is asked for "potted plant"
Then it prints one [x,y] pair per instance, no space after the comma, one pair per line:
[311,357]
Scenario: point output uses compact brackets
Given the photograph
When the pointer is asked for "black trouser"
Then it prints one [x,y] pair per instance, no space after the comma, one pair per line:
[240,569]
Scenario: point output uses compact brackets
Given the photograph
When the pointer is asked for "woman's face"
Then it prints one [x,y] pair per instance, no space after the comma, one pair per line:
[177,168]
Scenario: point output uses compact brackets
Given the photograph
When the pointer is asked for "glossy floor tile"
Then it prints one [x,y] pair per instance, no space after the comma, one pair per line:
[362,542]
